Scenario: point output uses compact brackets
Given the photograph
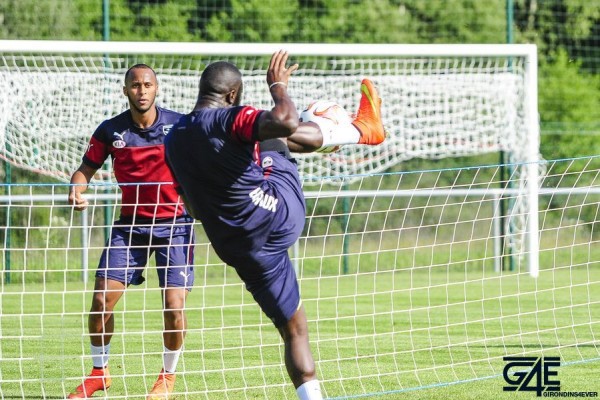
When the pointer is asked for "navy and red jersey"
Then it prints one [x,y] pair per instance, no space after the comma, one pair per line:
[138,158]
[250,204]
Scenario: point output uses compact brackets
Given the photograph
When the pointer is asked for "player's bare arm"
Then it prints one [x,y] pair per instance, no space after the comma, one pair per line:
[306,139]
[282,119]
[79,181]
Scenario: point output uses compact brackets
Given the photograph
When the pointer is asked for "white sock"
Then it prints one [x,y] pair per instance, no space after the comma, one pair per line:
[170,359]
[100,355]
[310,390]
[336,134]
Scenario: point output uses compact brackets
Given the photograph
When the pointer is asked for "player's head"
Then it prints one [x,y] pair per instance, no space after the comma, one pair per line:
[223,80]
[141,87]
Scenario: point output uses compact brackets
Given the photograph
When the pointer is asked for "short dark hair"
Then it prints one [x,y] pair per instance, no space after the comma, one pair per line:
[220,77]
[137,66]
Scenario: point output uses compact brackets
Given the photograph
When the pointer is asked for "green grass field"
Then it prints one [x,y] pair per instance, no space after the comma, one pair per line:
[410,333]
[401,295]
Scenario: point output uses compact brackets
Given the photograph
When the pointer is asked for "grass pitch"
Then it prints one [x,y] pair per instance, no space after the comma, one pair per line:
[412,333]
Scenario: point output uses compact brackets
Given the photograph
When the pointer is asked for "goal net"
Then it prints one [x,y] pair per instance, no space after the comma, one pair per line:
[438,101]
[397,275]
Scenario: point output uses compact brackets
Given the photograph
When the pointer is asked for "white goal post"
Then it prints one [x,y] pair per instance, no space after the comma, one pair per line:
[439,101]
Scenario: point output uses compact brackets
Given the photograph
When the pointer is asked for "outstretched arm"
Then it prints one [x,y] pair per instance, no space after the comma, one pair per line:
[282,120]
[306,139]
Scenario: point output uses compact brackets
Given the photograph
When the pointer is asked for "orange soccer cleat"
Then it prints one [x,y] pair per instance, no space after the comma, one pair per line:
[163,387]
[368,117]
[99,379]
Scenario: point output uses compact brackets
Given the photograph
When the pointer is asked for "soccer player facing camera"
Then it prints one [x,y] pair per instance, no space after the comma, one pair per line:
[152,220]
[234,171]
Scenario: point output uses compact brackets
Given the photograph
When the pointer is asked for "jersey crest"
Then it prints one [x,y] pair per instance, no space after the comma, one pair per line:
[166,129]
[118,141]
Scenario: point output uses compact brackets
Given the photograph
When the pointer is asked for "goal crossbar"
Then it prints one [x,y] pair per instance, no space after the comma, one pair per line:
[310,49]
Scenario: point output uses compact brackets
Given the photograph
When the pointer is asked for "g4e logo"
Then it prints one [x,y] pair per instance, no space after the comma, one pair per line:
[536,379]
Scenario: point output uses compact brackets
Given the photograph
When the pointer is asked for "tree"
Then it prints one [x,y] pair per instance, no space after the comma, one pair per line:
[34,19]
[332,21]
[158,21]
[457,21]
[556,24]
[253,21]
[569,101]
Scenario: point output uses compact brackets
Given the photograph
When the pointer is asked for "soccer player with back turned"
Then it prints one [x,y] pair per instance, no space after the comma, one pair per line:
[235,174]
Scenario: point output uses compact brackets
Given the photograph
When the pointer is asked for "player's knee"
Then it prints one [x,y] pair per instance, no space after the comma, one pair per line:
[174,299]
[174,319]
[296,328]
[100,304]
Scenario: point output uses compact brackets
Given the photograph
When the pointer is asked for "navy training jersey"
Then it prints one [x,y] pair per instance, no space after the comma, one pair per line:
[247,206]
[138,157]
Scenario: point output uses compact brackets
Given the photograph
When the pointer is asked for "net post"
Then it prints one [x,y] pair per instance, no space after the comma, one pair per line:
[84,246]
[497,218]
[345,238]
[533,175]
[7,235]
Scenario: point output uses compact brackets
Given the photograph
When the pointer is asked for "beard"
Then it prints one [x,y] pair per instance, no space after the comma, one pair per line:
[141,109]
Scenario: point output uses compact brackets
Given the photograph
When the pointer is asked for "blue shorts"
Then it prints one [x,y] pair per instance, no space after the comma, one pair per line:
[268,273]
[130,246]
[276,292]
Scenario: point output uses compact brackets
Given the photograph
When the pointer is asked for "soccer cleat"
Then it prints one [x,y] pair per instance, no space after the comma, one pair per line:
[368,117]
[99,379]
[163,387]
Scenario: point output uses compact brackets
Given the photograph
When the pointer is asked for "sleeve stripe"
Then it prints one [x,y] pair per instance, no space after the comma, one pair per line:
[244,127]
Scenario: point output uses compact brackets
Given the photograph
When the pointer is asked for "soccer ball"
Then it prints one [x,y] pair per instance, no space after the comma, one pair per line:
[328,115]
[325,109]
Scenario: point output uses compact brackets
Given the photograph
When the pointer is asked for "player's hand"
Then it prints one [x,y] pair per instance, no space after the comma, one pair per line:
[77,200]
[278,72]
